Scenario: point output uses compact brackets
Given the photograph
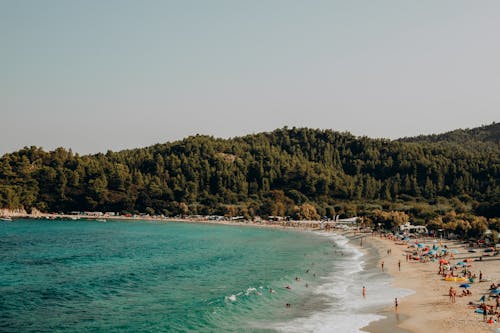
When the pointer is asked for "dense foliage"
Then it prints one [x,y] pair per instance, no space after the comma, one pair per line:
[298,172]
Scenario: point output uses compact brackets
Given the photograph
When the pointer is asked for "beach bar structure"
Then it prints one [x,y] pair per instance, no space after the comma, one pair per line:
[416,229]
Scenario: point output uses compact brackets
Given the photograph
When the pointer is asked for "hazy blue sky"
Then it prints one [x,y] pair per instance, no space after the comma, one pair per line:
[98,75]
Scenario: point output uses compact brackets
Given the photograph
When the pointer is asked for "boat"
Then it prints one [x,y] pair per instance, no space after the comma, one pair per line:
[101,220]
[7,219]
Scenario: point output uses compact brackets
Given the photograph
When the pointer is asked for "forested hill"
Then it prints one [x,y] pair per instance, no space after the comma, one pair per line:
[488,134]
[284,172]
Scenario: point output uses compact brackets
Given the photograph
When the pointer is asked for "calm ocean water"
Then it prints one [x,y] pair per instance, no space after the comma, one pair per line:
[82,276]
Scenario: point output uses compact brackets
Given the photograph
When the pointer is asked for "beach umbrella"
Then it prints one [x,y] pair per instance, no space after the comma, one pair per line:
[432,252]
[443,261]
[460,263]
[454,251]
[495,292]
[420,244]
[465,285]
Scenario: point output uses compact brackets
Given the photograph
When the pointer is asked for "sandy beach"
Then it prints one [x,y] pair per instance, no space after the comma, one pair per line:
[429,309]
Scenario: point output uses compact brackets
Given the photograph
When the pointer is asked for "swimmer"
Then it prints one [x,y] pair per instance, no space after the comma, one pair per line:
[288,287]
[364,291]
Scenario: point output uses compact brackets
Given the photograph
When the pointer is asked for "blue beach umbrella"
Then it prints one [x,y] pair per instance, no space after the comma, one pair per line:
[460,263]
[454,251]
[495,292]
[432,252]
[465,285]
[420,244]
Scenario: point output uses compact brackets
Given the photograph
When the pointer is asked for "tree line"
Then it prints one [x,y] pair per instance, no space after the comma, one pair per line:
[298,172]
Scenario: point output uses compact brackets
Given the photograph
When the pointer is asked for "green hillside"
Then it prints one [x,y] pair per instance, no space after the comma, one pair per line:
[472,138]
[294,172]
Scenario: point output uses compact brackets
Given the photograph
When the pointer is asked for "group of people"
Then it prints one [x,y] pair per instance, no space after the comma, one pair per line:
[461,272]
[487,310]
[453,294]
[297,279]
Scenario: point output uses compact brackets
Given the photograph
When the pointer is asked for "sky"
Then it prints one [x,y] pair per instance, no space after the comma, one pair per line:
[110,75]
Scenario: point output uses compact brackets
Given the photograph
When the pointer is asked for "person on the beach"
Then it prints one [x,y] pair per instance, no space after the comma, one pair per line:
[396,304]
[399,265]
[453,294]
[485,311]
[382,265]
[364,291]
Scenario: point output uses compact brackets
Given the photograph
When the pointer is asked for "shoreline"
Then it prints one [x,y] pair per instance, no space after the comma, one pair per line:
[292,224]
[390,321]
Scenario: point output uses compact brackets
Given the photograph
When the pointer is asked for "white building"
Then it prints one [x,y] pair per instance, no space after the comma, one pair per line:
[418,229]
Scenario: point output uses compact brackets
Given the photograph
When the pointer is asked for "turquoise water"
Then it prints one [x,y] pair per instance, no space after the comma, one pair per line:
[82,276]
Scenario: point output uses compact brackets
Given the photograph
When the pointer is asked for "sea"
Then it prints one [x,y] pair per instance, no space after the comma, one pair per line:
[144,276]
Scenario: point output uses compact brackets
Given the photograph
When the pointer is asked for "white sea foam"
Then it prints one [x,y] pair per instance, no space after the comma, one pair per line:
[250,290]
[348,311]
